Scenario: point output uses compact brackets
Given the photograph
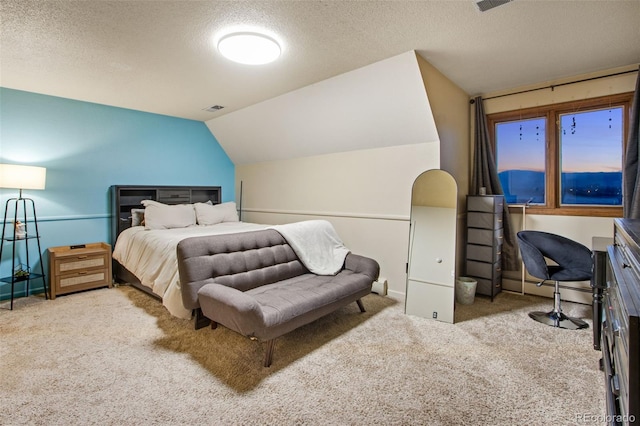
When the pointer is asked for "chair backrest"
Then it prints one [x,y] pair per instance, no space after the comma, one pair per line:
[535,246]
[532,257]
[243,261]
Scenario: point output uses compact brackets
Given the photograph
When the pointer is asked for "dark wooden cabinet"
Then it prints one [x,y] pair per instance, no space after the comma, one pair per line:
[621,325]
[484,242]
[125,198]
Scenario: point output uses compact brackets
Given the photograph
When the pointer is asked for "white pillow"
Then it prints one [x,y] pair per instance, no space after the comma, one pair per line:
[164,216]
[207,214]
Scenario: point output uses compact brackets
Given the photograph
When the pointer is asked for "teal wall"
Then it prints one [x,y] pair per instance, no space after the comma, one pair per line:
[88,147]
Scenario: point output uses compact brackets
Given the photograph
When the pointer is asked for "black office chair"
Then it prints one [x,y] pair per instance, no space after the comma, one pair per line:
[574,263]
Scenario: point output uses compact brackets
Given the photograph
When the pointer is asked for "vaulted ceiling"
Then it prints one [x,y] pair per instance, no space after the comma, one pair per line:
[160,56]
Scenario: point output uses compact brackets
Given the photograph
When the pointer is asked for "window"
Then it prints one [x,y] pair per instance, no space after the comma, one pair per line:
[520,150]
[563,158]
[591,157]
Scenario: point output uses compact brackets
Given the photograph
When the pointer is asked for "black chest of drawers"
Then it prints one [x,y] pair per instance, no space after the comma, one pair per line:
[621,326]
[484,242]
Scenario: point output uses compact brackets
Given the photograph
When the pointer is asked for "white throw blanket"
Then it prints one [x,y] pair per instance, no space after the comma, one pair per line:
[317,245]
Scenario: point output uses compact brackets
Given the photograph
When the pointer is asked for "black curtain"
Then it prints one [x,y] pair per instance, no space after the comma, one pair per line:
[630,192]
[485,174]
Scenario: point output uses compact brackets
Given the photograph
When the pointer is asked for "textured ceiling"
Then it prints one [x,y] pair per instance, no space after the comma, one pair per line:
[159,56]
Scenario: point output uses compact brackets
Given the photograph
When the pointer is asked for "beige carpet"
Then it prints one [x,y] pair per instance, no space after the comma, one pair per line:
[116,357]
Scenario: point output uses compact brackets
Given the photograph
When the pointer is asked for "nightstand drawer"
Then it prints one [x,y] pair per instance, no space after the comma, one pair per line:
[81,262]
[82,279]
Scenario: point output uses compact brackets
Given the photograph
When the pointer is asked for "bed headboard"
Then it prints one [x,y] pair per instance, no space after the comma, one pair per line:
[127,197]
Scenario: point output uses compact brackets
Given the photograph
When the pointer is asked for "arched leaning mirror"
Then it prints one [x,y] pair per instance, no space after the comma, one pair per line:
[430,291]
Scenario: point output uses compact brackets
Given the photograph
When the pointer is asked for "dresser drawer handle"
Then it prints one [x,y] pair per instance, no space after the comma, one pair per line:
[81,257]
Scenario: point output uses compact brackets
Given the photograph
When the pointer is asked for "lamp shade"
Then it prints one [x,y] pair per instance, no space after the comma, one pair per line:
[22,177]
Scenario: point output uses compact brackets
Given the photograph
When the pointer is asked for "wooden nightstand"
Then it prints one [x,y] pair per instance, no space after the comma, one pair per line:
[82,267]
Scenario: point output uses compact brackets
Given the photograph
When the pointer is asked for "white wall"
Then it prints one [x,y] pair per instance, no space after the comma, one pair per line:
[365,194]
[450,106]
[376,106]
[579,228]
[348,149]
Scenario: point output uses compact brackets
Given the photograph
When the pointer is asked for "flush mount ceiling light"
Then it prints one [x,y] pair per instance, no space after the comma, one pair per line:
[249,48]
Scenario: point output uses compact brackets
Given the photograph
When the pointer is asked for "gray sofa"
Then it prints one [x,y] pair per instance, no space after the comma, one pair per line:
[254,283]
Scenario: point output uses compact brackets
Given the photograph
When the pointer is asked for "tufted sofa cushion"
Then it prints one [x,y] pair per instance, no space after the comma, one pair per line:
[255,259]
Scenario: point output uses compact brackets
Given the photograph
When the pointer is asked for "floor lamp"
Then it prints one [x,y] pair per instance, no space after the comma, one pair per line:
[22,177]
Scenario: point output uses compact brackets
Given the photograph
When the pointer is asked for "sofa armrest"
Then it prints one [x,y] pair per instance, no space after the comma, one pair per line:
[362,265]
[232,308]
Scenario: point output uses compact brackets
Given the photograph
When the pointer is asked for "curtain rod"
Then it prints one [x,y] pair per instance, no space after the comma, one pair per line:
[553,86]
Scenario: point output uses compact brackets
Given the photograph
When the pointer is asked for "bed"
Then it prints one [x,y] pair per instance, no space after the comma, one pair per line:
[144,253]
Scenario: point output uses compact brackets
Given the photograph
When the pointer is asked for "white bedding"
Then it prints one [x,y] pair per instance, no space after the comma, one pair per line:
[151,256]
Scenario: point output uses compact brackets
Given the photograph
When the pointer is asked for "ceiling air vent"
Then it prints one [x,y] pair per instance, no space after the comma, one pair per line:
[213,108]
[485,5]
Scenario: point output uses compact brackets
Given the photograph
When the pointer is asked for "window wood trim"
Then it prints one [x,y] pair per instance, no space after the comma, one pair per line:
[552,163]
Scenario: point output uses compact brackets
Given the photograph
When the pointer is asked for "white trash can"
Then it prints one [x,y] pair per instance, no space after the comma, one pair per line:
[465,290]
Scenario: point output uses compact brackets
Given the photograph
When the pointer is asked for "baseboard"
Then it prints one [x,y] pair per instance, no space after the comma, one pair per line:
[396,295]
